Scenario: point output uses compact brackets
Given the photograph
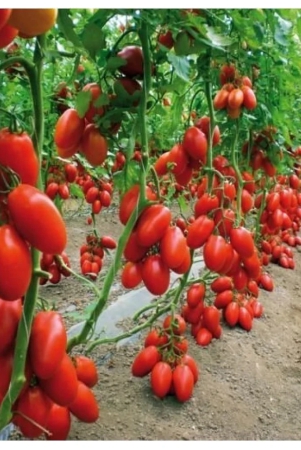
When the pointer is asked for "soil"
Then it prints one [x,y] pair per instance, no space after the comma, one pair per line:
[250,383]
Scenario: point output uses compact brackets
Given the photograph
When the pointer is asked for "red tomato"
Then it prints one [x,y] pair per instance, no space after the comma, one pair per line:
[156,337]
[179,158]
[37,219]
[224,220]
[6,361]
[191,363]
[69,129]
[220,100]
[71,172]
[18,153]
[7,35]
[215,253]
[152,225]
[231,314]
[15,263]
[195,294]
[247,201]
[160,165]
[166,39]
[86,370]
[108,242]
[183,382]
[205,204]
[266,282]
[51,190]
[133,251]
[245,319]
[242,241]
[94,146]
[199,231]
[179,345]
[223,299]
[145,361]
[58,423]
[4,16]
[240,279]
[203,124]
[161,378]
[203,337]
[36,405]
[84,407]
[211,318]
[92,111]
[250,101]
[221,284]
[61,388]
[47,345]
[63,191]
[193,315]
[133,57]
[155,274]
[257,308]
[176,323]
[195,143]
[186,264]
[131,275]
[129,202]
[172,247]
[10,314]
[235,99]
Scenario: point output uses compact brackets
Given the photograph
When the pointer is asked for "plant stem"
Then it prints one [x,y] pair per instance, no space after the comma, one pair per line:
[209,164]
[240,181]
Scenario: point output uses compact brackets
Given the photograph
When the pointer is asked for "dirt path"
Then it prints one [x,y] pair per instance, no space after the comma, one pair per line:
[250,384]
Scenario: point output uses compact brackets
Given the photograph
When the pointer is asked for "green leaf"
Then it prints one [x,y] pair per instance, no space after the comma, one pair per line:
[93,39]
[180,64]
[82,103]
[282,30]
[102,16]
[115,62]
[216,39]
[76,190]
[66,26]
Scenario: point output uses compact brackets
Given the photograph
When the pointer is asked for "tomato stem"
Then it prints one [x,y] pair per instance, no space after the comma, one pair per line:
[240,181]
[209,163]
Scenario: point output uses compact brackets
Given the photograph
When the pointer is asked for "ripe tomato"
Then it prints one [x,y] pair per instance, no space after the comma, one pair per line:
[10,314]
[175,323]
[223,299]
[242,241]
[58,423]
[191,363]
[4,16]
[231,314]
[18,153]
[205,204]
[235,99]
[161,165]
[249,101]
[195,294]
[221,284]
[152,225]
[108,242]
[69,129]
[203,124]
[215,253]
[129,202]
[95,91]
[145,361]
[166,39]
[94,146]
[63,191]
[247,201]
[7,35]
[156,337]
[61,388]
[71,172]
[37,219]
[35,405]
[47,345]
[179,345]
[15,263]
[203,337]
[161,379]
[85,406]
[155,274]
[186,264]
[131,275]
[220,100]
[183,382]
[266,282]
[172,247]
[33,22]
[199,231]
[133,57]
[86,370]
[211,318]
[193,315]
[179,158]
[245,319]
[133,251]
[195,143]
[240,279]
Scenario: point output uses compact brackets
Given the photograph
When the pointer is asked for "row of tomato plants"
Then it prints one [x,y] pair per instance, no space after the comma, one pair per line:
[152,246]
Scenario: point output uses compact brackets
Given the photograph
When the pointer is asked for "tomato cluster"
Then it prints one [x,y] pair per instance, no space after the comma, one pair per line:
[98,193]
[59,177]
[92,254]
[236,92]
[56,385]
[172,371]
[54,265]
